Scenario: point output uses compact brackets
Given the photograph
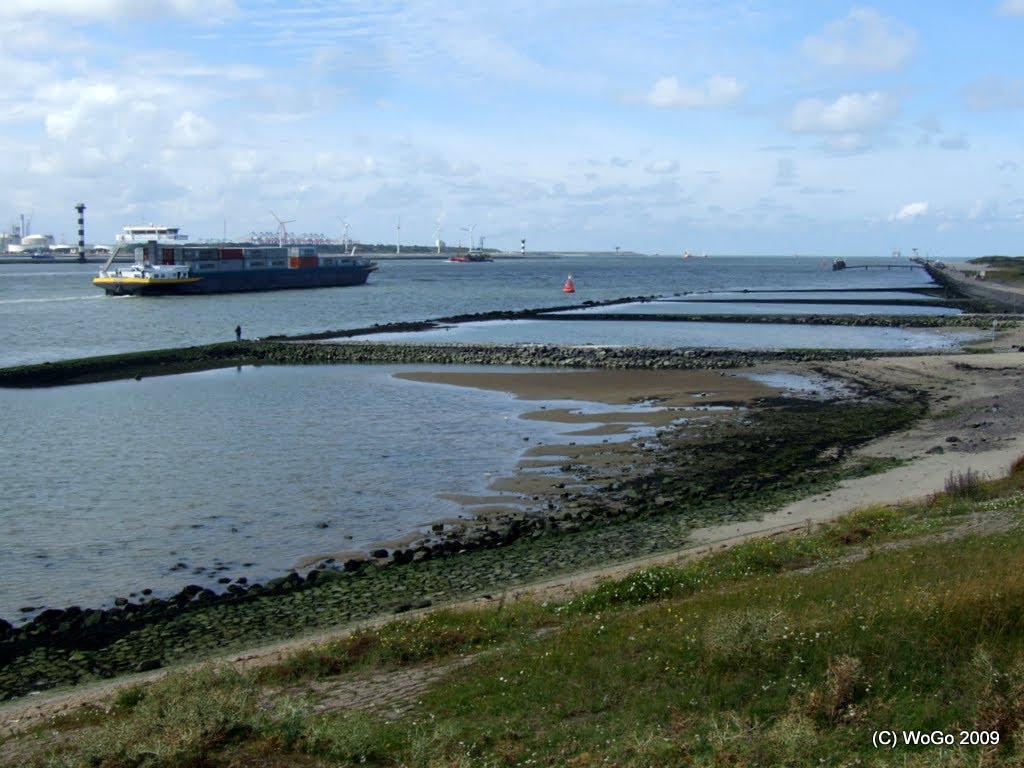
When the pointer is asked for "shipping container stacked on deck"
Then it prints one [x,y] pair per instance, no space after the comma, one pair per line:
[302,257]
[265,258]
[233,259]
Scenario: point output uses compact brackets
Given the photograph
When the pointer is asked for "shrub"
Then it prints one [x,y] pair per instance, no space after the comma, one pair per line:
[967,484]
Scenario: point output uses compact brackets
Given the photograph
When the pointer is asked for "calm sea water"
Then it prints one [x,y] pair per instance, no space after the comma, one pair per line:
[111,488]
[51,312]
[161,482]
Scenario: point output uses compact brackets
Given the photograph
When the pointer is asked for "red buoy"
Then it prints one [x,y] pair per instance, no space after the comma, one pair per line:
[569,286]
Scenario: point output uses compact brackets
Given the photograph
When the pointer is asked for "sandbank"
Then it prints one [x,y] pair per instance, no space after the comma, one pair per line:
[976,420]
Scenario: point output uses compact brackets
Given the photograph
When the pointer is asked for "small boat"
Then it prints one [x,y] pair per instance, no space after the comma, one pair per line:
[570,286]
[471,257]
[687,254]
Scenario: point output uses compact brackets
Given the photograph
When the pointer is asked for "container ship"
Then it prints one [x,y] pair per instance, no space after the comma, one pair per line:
[162,269]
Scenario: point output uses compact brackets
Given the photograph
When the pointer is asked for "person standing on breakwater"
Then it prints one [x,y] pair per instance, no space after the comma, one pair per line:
[238,333]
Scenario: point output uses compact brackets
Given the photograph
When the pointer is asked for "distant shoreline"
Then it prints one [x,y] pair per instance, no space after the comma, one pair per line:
[72,258]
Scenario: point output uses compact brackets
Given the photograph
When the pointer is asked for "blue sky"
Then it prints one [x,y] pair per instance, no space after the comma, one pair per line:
[725,127]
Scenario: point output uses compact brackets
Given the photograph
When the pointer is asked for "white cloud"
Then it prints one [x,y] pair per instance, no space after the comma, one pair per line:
[115,10]
[957,142]
[345,166]
[433,163]
[714,92]
[863,41]
[850,113]
[93,100]
[785,172]
[192,131]
[1011,8]
[995,93]
[910,211]
[209,74]
[286,102]
[987,210]
[662,166]
[847,143]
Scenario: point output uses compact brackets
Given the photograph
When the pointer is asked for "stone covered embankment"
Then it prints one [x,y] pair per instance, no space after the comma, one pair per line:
[990,297]
[332,347]
[291,352]
[228,354]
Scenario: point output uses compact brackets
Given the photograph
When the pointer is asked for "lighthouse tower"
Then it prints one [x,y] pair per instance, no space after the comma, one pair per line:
[81,231]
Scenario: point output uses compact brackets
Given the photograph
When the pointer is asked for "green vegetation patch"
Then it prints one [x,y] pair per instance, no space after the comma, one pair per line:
[796,650]
[775,454]
[436,635]
[796,668]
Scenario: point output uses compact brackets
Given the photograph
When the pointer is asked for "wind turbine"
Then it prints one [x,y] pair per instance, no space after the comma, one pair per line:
[437,235]
[282,232]
[398,236]
[344,236]
[470,230]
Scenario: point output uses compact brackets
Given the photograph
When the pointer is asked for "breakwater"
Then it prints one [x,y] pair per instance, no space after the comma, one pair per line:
[988,296]
[228,354]
[332,348]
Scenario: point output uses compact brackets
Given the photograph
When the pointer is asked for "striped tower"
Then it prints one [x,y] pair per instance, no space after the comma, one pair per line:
[81,231]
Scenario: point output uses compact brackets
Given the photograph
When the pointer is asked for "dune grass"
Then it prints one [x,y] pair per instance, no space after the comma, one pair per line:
[789,650]
[1004,269]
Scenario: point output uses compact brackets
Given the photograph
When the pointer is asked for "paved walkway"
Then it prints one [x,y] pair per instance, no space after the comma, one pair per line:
[1009,298]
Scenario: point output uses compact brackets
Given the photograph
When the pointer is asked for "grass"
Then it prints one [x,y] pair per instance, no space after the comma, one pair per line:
[1004,269]
[788,650]
[436,635]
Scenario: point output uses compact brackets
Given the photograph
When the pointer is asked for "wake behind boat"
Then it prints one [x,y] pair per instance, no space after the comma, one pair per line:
[162,269]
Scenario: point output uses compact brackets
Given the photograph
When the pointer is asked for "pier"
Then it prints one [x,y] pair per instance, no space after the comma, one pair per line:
[883,266]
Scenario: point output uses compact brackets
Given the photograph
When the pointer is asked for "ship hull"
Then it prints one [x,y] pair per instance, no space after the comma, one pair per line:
[244,280]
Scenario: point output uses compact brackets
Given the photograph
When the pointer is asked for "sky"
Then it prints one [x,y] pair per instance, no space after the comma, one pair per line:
[719,127]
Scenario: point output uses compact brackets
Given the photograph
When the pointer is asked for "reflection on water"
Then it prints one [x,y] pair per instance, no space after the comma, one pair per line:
[756,307]
[683,334]
[804,385]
